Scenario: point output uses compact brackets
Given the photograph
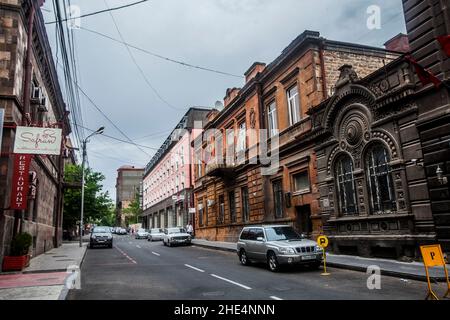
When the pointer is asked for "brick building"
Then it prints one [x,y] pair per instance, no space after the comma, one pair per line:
[128,187]
[30,95]
[276,98]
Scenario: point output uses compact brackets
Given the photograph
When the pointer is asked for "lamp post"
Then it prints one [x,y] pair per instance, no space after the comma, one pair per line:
[85,141]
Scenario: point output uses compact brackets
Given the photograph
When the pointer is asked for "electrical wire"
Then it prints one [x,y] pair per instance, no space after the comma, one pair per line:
[185,64]
[97,12]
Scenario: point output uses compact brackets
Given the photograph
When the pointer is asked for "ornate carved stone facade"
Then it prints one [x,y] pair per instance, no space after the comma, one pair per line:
[372,192]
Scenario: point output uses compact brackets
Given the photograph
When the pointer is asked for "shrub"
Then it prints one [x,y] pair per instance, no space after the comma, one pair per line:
[21,244]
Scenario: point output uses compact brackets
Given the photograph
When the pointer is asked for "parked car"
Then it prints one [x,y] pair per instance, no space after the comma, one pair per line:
[173,236]
[121,231]
[101,236]
[155,234]
[141,234]
[277,245]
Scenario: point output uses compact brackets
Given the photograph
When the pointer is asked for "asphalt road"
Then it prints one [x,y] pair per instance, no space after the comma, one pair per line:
[138,269]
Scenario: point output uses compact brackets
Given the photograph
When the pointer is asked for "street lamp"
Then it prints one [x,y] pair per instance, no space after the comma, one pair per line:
[85,141]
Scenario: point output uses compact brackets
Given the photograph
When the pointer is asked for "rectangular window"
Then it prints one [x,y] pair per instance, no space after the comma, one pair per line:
[232,203]
[278,198]
[301,182]
[230,152]
[221,217]
[293,105]
[245,205]
[200,217]
[272,119]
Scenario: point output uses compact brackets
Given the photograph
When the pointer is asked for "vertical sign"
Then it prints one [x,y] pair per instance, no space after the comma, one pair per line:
[20,181]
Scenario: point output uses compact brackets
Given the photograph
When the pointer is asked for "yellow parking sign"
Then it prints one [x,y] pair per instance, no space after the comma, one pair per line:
[322,241]
[433,257]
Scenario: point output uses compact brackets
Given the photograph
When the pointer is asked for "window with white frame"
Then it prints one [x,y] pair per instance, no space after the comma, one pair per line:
[301,182]
[272,119]
[293,105]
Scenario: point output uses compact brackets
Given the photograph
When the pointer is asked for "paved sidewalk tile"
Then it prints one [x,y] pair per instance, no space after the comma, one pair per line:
[32,293]
[32,279]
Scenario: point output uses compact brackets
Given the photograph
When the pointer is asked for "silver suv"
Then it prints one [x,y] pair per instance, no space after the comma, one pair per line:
[277,245]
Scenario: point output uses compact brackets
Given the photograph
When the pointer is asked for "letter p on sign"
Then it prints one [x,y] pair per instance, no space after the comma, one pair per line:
[322,241]
[432,255]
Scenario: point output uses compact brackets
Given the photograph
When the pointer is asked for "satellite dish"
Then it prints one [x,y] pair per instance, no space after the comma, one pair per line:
[218,105]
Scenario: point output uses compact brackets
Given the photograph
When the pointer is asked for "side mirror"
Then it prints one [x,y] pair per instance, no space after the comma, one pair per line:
[260,239]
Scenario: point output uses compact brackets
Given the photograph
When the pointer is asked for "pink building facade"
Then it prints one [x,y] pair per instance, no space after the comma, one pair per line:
[168,178]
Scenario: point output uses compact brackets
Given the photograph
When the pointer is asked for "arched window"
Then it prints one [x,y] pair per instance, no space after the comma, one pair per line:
[381,188]
[346,185]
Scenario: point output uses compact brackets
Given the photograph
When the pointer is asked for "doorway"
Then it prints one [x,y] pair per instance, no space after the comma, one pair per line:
[303,221]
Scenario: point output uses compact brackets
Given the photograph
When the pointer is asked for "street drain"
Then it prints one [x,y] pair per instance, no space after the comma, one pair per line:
[213,294]
[59,256]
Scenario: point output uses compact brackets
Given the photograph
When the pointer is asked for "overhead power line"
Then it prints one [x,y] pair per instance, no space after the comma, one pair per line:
[138,66]
[98,12]
[185,64]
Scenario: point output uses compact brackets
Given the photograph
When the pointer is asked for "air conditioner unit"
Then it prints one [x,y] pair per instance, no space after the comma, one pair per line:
[42,104]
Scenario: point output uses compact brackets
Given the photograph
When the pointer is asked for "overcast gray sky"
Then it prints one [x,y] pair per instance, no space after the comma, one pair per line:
[227,35]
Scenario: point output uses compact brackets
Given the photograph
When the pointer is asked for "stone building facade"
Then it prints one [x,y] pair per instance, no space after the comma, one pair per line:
[19,82]
[276,98]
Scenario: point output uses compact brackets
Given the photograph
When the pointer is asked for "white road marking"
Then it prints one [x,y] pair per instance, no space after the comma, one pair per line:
[230,281]
[189,266]
[156,254]
[138,246]
[275,298]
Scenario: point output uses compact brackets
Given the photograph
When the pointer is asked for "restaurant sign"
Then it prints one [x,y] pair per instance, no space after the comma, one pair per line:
[20,181]
[36,140]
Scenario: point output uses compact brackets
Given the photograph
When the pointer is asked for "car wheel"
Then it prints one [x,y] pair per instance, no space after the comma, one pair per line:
[110,246]
[243,258]
[164,243]
[91,246]
[272,262]
[315,265]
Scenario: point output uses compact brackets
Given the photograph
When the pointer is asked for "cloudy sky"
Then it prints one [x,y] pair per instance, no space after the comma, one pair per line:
[226,35]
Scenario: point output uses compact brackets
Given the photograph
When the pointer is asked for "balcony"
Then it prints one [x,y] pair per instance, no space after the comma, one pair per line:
[220,170]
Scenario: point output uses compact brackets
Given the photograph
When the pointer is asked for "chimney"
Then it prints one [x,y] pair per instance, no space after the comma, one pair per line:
[231,94]
[425,21]
[399,43]
[255,68]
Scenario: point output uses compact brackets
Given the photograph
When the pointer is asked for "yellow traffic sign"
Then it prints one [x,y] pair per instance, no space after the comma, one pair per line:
[433,257]
[322,241]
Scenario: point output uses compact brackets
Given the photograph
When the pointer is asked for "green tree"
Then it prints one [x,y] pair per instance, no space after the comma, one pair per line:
[134,210]
[98,206]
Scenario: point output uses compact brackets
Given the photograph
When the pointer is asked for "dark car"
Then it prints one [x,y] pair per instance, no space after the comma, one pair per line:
[101,236]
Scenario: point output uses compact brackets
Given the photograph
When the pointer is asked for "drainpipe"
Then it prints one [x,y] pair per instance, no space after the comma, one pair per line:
[322,67]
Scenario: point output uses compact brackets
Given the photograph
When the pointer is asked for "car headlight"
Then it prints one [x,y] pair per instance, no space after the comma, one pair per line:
[287,250]
[318,248]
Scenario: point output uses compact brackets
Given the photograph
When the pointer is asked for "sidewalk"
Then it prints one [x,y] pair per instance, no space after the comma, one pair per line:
[406,270]
[46,276]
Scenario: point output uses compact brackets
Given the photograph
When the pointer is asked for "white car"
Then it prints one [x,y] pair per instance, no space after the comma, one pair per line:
[155,234]
[173,236]
[141,234]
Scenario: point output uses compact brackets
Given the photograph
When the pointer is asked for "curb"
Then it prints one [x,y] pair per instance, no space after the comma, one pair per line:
[387,272]
[214,248]
[353,268]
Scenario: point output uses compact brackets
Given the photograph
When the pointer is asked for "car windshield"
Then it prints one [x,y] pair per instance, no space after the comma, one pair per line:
[175,230]
[282,233]
[142,230]
[156,231]
[101,230]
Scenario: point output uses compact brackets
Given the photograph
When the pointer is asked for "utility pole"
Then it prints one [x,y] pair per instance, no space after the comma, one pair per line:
[85,141]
